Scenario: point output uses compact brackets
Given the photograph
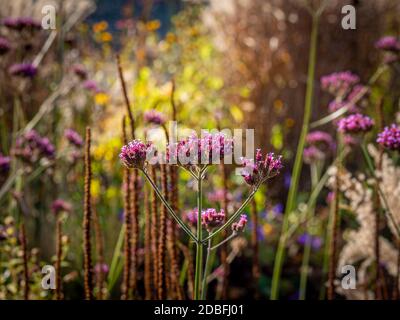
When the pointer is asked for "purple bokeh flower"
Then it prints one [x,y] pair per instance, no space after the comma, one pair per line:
[26,70]
[388,43]
[73,137]
[21,23]
[355,123]
[60,205]
[91,85]
[154,117]
[339,83]
[262,168]
[80,71]
[101,268]
[191,216]
[219,195]
[4,164]
[31,147]
[5,46]
[312,154]
[320,139]
[315,241]
[390,137]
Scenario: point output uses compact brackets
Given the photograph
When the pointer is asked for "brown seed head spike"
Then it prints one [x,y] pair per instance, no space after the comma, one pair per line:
[87,247]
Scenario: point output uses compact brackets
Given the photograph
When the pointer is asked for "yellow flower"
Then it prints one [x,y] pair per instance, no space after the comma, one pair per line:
[100,26]
[289,122]
[170,37]
[106,37]
[101,98]
[153,25]
[267,228]
[95,187]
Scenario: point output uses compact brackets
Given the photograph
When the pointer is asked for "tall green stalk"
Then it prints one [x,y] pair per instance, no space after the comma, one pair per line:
[307,246]
[291,201]
[199,245]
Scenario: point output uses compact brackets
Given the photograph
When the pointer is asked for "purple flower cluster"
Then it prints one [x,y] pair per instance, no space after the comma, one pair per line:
[21,23]
[154,117]
[339,83]
[191,216]
[101,268]
[135,154]
[26,70]
[388,43]
[5,46]
[73,137]
[240,225]
[355,123]
[31,147]
[91,85]
[4,164]
[262,168]
[315,241]
[60,205]
[194,151]
[211,218]
[390,137]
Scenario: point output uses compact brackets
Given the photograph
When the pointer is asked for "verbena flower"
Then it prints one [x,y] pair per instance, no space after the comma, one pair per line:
[91,85]
[388,43]
[315,241]
[4,164]
[101,268]
[80,71]
[262,168]
[339,83]
[321,139]
[194,151]
[135,154]
[31,147]
[21,23]
[73,137]
[390,137]
[355,123]
[211,218]
[5,46]
[312,154]
[240,225]
[60,205]
[154,117]
[191,216]
[26,70]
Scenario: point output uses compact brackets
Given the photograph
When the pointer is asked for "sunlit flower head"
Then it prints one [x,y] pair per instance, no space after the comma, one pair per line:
[211,218]
[339,83]
[262,168]
[135,154]
[240,225]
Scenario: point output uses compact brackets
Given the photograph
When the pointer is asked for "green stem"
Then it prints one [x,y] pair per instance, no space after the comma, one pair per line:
[199,245]
[290,204]
[207,268]
[169,208]
[307,246]
[234,216]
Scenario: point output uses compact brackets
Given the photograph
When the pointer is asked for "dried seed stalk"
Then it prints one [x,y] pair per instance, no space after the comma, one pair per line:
[58,293]
[25,260]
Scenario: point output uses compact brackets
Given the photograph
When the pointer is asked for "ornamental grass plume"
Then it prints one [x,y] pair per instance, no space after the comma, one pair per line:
[154,230]
[24,249]
[389,138]
[355,123]
[147,246]
[87,221]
